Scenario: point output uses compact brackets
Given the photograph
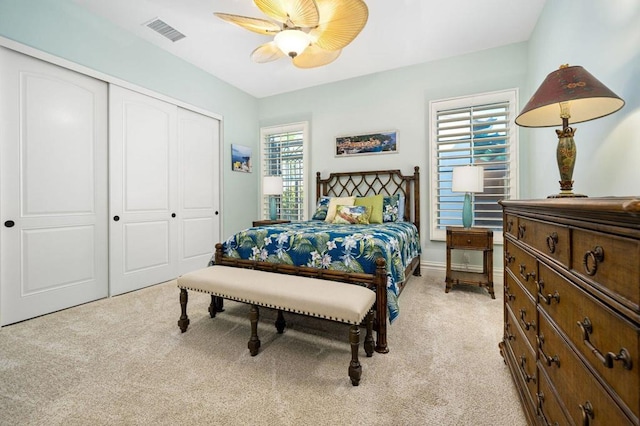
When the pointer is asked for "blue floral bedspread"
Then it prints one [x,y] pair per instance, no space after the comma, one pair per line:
[349,248]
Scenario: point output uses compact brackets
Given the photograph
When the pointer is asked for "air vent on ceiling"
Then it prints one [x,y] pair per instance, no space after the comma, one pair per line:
[164,29]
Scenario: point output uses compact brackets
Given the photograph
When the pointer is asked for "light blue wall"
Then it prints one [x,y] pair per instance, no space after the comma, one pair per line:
[397,99]
[603,36]
[63,29]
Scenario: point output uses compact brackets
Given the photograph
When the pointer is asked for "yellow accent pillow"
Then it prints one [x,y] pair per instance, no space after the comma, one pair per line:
[375,205]
[335,202]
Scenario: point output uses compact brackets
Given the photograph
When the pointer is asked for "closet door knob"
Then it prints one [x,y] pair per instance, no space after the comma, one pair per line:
[173,215]
[216,212]
[9,224]
[116,218]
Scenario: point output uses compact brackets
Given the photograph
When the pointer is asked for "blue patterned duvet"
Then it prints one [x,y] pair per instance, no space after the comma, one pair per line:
[348,248]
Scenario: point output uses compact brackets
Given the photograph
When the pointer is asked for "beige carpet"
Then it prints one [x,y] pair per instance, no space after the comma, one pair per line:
[124,361]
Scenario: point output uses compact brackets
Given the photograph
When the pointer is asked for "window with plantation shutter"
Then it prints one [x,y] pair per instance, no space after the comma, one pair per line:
[476,130]
[284,152]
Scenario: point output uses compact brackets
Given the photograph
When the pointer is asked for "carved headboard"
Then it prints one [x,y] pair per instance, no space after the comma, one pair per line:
[366,183]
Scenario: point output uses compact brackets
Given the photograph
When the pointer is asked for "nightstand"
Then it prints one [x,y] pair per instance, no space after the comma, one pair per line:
[265,222]
[470,239]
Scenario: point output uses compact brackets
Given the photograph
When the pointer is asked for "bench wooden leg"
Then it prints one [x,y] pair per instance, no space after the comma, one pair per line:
[183,322]
[212,307]
[219,304]
[216,305]
[280,322]
[368,339]
[355,369]
[254,342]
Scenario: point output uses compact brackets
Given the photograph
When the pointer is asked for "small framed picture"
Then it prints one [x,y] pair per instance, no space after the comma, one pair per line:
[241,158]
[367,143]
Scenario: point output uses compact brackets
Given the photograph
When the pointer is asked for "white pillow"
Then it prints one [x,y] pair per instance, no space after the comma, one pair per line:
[334,203]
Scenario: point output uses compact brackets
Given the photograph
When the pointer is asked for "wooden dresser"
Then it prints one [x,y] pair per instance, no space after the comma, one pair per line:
[571,311]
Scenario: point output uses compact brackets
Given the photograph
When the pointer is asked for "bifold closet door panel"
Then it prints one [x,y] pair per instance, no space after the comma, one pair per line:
[199,183]
[143,223]
[53,188]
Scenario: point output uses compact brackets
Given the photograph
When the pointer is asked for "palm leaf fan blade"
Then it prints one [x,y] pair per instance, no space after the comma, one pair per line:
[314,56]
[260,26]
[301,13]
[266,53]
[340,22]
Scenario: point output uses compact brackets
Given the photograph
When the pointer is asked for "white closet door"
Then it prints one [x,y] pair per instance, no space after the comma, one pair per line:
[53,188]
[143,190]
[199,181]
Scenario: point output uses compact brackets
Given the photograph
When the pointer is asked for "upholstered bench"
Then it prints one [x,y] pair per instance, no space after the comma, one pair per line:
[346,303]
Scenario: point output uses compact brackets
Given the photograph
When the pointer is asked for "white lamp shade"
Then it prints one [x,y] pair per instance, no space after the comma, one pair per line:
[468,179]
[292,42]
[272,185]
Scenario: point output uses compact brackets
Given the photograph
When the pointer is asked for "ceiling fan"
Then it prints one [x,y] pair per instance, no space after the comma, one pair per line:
[311,32]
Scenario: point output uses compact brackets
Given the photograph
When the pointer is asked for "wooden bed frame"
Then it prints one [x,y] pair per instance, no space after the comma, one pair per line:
[361,184]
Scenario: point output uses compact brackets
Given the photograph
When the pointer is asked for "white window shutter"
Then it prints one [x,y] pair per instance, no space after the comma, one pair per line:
[476,130]
[283,154]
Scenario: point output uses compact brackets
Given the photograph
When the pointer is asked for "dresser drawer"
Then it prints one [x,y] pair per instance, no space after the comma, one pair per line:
[549,239]
[523,355]
[523,266]
[596,331]
[549,408]
[580,393]
[470,239]
[611,262]
[522,307]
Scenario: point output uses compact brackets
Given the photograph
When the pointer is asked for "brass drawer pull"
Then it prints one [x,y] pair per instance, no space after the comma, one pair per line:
[507,332]
[509,296]
[510,225]
[547,359]
[607,360]
[552,240]
[521,231]
[549,297]
[587,413]
[508,258]
[527,377]
[596,255]
[527,325]
[526,276]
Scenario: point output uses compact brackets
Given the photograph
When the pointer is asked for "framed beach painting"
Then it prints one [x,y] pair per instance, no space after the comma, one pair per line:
[240,158]
[367,143]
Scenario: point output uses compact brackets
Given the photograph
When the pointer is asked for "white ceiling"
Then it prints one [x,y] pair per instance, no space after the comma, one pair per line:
[398,33]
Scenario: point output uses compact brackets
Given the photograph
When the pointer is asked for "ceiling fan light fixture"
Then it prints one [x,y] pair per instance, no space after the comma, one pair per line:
[311,32]
[292,42]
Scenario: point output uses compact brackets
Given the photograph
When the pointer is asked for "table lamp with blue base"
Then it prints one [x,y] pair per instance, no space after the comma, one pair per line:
[467,179]
[272,186]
